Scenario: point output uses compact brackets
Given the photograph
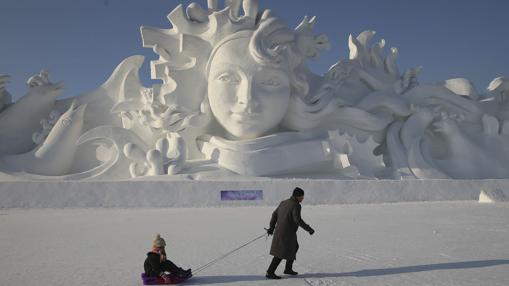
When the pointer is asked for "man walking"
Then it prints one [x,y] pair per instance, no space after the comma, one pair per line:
[284,223]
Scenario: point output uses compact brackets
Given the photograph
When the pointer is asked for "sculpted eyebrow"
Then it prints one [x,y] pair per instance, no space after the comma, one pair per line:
[229,65]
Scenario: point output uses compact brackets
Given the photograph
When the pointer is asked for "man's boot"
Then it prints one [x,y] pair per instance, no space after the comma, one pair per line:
[272,276]
[271,272]
[289,268]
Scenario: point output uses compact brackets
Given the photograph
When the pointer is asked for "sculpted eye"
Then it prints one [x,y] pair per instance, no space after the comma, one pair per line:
[66,122]
[227,78]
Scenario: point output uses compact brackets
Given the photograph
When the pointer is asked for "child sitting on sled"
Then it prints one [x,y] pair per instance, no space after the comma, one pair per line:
[157,264]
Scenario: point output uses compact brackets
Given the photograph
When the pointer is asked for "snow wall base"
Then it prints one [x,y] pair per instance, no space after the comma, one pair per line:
[153,193]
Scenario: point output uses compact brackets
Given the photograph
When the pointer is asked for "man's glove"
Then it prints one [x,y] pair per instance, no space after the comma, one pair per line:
[311,231]
[270,231]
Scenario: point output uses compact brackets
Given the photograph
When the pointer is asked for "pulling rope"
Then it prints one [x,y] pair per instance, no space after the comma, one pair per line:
[201,268]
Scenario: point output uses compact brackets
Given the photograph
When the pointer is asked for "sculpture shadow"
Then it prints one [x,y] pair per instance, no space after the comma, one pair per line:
[208,280]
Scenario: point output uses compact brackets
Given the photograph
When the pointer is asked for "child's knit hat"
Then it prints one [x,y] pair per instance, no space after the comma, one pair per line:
[158,242]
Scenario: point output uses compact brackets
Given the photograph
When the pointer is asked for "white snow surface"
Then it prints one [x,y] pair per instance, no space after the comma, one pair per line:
[433,243]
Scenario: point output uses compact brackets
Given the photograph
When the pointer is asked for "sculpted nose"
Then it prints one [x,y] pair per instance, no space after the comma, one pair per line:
[244,92]
[245,95]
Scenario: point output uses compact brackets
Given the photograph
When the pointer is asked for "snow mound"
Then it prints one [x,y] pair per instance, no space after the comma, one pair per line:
[492,196]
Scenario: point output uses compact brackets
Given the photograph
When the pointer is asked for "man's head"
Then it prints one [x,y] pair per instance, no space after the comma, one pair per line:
[298,193]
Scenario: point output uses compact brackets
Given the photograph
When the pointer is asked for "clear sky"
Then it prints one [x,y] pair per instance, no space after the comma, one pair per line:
[80,42]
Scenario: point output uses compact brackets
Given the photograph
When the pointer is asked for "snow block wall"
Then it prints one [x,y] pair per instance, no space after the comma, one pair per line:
[164,193]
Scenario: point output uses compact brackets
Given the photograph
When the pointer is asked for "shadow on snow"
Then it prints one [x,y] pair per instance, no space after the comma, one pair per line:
[204,280]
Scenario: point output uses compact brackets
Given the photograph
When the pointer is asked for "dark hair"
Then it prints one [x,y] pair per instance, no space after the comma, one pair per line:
[298,192]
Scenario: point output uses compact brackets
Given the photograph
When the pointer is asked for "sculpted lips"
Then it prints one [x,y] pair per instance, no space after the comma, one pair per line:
[244,117]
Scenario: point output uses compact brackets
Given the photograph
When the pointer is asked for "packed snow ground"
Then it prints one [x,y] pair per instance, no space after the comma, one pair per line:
[441,243]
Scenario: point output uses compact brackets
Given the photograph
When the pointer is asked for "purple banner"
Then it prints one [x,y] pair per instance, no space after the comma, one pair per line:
[242,195]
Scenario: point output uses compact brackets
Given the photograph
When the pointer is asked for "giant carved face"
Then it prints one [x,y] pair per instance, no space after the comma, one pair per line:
[247,98]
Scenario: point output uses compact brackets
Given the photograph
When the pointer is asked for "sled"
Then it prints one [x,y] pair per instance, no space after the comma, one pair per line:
[174,279]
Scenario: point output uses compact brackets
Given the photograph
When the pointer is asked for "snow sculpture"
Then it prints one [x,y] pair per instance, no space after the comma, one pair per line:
[237,99]
[47,158]
[5,97]
[21,119]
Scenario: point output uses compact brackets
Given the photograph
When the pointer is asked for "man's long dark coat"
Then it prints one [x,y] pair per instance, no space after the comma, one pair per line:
[285,221]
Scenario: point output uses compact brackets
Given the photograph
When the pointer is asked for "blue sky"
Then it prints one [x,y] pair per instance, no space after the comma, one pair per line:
[80,42]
